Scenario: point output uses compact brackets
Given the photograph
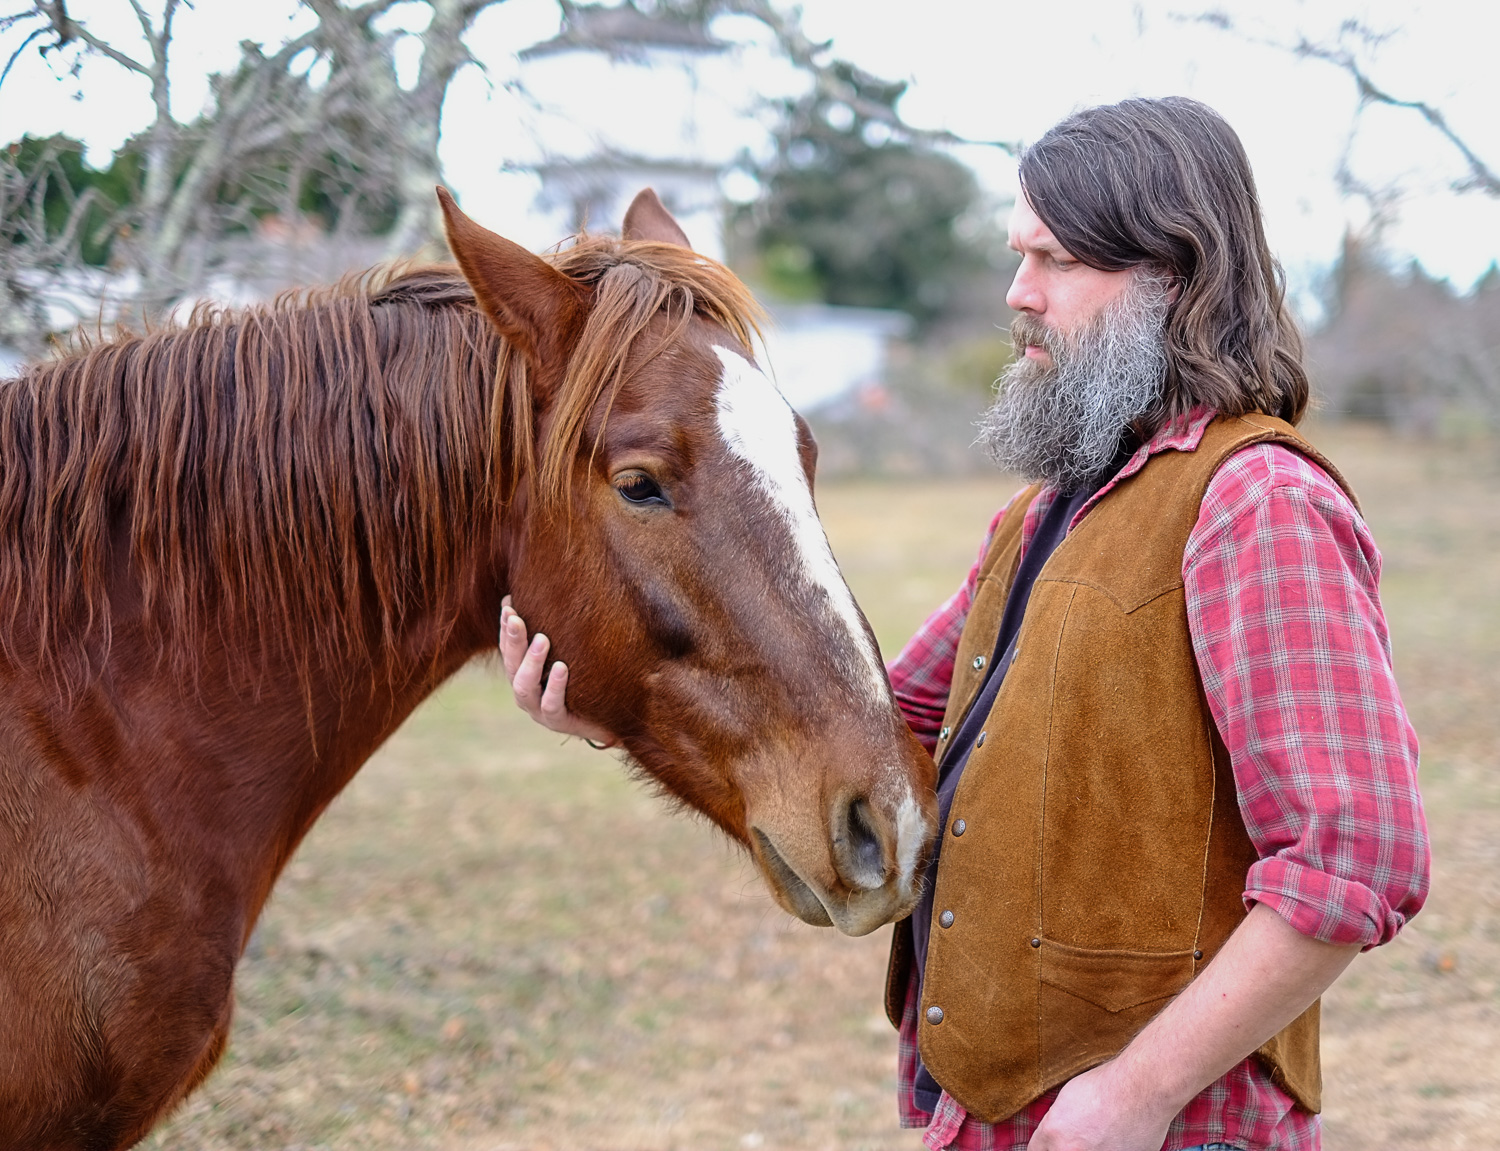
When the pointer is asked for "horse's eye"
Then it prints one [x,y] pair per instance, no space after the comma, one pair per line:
[639,488]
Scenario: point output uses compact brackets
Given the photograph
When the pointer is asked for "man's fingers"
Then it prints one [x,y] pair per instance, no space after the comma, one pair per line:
[554,696]
[527,682]
[513,642]
[546,702]
[555,713]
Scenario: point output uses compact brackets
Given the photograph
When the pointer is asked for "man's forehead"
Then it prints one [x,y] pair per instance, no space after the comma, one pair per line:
[1027,232]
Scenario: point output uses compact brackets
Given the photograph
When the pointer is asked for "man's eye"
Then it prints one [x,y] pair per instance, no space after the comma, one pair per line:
[638,488]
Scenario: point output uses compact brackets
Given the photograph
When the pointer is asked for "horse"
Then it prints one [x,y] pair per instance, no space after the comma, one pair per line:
[235,555]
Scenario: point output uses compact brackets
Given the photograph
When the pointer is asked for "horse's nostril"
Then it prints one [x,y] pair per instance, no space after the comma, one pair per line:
[858,851]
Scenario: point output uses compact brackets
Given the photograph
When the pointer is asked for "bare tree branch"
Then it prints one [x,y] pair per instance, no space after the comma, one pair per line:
[811,56]
[1482,177]
[31,251]
[143,19]
[77,31]
[21,51]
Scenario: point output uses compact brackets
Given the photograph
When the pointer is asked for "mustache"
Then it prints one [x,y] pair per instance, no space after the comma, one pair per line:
[1028,331]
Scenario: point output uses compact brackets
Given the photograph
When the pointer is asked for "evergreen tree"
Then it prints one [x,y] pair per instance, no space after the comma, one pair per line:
[854,213]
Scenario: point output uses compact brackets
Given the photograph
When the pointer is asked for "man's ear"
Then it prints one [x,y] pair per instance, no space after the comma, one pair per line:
[648,219]
[533,305]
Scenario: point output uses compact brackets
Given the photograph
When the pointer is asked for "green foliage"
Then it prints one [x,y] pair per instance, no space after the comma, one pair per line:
[58,163]
[854,214]
[335,192]
[339,187]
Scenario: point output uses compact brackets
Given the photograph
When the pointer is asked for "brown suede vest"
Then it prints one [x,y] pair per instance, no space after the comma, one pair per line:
[1102,857]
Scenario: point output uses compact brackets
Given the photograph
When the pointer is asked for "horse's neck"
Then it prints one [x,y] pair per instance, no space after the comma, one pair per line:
[263,752]
[347,717]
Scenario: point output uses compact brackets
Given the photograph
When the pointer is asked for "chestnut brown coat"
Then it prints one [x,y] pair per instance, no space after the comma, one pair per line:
[234,557]
[1102,858]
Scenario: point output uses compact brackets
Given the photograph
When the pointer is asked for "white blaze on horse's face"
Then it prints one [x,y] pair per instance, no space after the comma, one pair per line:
[848,857]
[758,426]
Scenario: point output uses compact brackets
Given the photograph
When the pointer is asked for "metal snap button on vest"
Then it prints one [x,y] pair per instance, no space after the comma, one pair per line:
[959,827]
[978,662]
[934,1015]
[943,734]
[945,919]
[1197,955]
[1036,943]
[980,741]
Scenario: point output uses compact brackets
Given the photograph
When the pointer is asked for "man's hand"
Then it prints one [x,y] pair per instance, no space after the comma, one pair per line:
[1266,974]
[547,704]
[1095,1111]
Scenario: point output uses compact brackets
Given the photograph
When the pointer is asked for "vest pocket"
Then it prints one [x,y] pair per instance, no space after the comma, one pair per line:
[1115,980]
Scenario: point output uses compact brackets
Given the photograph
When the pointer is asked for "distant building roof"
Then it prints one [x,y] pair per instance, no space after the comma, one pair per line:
[614,164]
[597,189]
[623,31]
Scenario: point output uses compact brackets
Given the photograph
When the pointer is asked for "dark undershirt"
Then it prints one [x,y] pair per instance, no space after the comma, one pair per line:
[1050,532]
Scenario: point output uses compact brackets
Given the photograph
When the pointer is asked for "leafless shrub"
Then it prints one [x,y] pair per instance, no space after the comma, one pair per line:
[1405,348]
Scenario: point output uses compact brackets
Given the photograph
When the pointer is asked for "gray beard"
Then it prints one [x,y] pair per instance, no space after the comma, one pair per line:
[1063,424]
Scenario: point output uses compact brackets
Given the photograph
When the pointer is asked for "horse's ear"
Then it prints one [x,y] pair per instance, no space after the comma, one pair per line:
[532,304]
[648,219]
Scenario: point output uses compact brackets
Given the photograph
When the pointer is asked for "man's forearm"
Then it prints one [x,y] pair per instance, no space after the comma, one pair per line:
[1266,974]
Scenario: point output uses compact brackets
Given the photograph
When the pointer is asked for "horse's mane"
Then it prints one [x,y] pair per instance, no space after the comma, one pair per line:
[309,471]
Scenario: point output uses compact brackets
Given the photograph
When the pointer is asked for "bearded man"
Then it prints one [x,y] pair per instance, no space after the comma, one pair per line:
[1177,784]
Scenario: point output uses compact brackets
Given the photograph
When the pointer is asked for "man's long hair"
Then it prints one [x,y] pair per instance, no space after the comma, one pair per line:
[1166,184]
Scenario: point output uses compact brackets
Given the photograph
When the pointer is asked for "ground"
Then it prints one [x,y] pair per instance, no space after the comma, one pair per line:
[496,940]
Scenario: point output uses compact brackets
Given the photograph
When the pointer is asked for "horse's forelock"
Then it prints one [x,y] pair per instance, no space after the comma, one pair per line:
[632,283]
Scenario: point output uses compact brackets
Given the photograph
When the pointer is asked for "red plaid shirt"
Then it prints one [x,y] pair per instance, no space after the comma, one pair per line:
[1282,597]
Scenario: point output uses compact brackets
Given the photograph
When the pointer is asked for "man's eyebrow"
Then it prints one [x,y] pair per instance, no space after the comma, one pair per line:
[1046,247]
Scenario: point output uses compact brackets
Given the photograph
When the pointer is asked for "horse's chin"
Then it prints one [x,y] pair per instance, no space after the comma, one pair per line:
[853,912]
[787,887]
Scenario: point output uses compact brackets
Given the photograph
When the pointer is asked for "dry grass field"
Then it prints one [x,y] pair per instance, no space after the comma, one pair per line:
[497,940]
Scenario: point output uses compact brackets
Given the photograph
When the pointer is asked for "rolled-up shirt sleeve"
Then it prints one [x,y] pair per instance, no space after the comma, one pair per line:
[1281,578]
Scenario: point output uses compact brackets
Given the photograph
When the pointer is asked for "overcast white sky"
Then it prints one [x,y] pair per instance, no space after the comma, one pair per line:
[984,69]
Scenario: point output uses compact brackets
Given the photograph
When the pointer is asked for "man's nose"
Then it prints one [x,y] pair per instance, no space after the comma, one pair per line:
[1025,295]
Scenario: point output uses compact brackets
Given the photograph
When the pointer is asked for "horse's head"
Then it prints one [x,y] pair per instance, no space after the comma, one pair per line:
[665,539]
